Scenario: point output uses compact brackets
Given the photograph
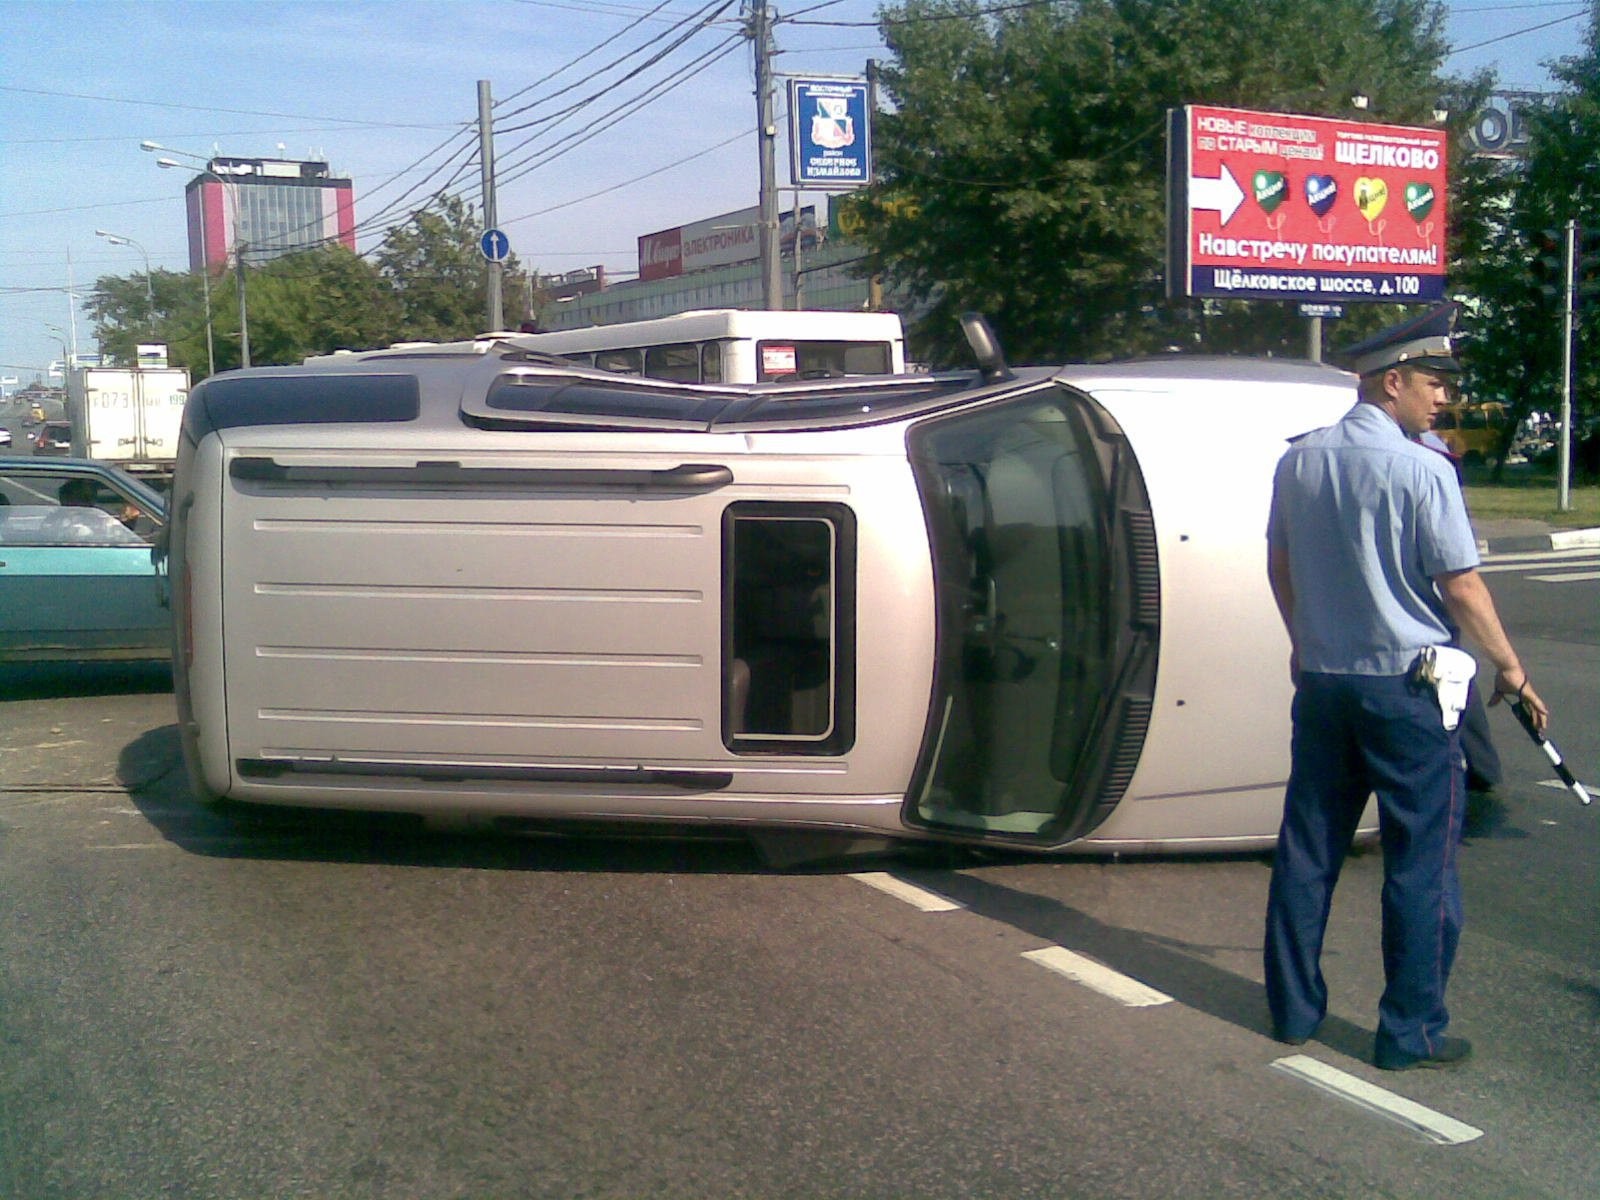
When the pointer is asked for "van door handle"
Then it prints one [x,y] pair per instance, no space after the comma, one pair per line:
[686,477]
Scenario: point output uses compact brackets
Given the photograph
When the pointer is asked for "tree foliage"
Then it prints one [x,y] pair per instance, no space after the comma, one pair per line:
[1029,143]
[437,272]
[1514,317]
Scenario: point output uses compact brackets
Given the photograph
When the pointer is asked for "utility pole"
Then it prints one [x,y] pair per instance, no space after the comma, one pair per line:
[760,34]
[244,317]
[497,319]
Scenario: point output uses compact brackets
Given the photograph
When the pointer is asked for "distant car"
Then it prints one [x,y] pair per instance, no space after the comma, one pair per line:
[78,568]
[5,436]
[53,438]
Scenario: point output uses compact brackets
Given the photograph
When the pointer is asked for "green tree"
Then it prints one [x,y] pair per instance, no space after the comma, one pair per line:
[316,302]
[438,274]
[1029,142]
[1514,320]
[124,316]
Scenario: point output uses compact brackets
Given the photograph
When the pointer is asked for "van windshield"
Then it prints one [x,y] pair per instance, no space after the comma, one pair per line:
[1032,613]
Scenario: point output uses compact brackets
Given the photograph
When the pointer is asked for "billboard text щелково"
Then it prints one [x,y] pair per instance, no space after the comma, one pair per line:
[1271,206]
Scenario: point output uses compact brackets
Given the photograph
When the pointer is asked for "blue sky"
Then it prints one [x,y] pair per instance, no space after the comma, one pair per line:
[373,87]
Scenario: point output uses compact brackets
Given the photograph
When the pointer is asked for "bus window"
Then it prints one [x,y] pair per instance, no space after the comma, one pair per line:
[680,362]
[821,360]
[711,362]
[788,579]
[583,359]
[620,362]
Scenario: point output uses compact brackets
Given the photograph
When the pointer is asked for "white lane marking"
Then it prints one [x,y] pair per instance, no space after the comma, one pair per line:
[1097,977]
[1433,1125]
[136,846]
[1579,577]
[1564,561]
[909,892]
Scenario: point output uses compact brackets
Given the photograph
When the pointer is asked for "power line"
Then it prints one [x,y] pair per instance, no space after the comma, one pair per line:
[351,122]
[1504,37]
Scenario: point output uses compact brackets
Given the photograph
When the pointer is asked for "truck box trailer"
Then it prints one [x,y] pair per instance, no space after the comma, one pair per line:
[130,416]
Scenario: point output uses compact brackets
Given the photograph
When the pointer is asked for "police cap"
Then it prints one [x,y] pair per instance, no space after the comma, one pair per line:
[1422,341]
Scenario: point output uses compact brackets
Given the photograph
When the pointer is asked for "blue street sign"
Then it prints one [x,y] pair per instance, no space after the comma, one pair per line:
[830,132]
[496,246]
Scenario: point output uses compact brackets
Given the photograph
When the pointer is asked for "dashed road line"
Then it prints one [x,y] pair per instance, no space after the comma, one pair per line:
[913,895]
[1431,1124]
[1434,1126]
[1097,977]
[1578,577]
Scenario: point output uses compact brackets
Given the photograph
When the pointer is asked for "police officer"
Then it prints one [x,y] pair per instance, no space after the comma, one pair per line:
[1372,561]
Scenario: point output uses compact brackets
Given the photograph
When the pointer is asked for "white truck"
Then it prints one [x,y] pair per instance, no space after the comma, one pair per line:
[129,416]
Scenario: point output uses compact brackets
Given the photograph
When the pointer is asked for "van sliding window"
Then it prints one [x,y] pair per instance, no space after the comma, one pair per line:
[788,632]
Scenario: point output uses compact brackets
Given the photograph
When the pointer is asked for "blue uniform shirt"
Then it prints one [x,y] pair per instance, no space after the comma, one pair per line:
[1368,518]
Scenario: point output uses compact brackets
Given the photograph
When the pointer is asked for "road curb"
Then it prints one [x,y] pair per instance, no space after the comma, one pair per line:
[1523,543]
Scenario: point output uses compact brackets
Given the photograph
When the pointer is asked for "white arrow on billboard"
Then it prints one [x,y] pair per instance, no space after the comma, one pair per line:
[1221,195]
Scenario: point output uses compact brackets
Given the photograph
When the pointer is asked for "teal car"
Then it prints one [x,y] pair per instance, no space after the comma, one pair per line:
[79,575]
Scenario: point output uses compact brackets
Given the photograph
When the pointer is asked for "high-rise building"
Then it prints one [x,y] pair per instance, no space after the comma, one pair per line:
[270,206]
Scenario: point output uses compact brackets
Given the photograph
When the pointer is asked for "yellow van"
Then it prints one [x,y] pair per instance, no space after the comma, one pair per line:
[1473,431]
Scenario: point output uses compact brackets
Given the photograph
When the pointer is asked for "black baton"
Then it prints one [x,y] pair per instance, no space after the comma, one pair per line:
[1550,752]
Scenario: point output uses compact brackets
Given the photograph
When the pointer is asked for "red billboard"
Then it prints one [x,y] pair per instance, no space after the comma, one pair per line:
[1271,206]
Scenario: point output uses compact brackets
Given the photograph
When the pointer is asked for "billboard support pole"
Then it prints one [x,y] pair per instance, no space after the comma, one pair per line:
[1314,339]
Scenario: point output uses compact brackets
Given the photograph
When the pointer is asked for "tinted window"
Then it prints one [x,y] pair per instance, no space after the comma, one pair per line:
[788,632]
[820,360]
[620,362]
[680,362]
[1020,519]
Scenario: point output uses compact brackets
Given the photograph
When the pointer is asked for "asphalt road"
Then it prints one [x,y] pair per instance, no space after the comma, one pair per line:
[195,1006]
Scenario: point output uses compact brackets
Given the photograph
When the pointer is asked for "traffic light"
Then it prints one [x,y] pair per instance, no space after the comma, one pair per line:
[1586,268]
[1547,264]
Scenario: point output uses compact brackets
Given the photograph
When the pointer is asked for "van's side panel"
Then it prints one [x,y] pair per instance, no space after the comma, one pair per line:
[531,627]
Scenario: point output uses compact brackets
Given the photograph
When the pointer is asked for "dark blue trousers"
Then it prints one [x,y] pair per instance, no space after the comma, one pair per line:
[1355,735]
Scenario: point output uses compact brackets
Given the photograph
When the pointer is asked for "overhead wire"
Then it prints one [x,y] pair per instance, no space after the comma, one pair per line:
[621,112]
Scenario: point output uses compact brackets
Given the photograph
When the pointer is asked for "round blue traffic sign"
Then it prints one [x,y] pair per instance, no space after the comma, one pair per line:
[496,246]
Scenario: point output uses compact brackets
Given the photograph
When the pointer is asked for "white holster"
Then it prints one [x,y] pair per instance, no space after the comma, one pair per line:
[1449,672]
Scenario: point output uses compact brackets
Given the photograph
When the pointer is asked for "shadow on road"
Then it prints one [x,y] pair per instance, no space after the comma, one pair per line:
[1177,968]
[152,768]
[53,680]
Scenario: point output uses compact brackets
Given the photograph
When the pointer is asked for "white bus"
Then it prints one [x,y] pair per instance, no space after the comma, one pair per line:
[723,345]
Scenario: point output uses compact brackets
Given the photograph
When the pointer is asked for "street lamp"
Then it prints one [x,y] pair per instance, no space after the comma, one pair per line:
[67,357]
[205,257]
[116,239]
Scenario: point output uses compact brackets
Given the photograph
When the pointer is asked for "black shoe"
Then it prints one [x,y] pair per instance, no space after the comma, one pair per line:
[1292,1039]
[1449,1052]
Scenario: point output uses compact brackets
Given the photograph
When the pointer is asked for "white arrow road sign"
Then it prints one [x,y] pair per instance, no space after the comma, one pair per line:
[1222,195]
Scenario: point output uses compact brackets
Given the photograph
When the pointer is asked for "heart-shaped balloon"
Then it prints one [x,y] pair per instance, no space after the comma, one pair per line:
[1372,194]
[1419,200]
[1321,192]
[1271,189]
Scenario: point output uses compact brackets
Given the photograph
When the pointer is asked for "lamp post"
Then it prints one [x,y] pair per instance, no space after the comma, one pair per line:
[117,239]
[205,257]
[67,356]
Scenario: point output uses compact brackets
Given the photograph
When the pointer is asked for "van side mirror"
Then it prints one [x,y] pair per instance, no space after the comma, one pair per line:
[985,348]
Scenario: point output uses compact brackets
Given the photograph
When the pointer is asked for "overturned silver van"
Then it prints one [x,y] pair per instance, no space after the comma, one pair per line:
[1021,607]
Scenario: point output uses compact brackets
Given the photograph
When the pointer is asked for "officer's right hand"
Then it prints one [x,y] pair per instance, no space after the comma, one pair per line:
[1507,686]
